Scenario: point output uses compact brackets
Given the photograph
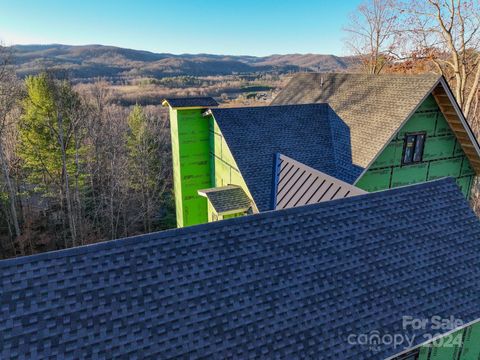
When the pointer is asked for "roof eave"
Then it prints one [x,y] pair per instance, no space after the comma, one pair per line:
[463,121]
[184,107]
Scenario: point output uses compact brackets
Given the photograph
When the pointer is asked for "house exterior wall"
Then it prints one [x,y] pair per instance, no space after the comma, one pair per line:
[201,160]
[224,170]
[191,164]
[443,155]
[463,344]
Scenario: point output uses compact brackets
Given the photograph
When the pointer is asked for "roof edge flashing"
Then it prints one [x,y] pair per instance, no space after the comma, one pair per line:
[188,103]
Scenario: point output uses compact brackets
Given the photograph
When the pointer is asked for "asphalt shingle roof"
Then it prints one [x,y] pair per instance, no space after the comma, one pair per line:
[191,102]
[291,283]
[312,134]
[372,106]
[227,198]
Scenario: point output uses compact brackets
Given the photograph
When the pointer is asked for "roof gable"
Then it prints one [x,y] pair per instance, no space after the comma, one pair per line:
[373,106]
[289,283]
[296,184]
[304,132]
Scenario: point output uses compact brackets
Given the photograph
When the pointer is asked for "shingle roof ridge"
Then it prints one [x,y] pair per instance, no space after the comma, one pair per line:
[428,74]
[268,106]
[189,97]
[89,248]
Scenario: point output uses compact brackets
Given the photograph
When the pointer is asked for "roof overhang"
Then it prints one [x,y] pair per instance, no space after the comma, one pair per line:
[186,103]
[208,112]
[239,203]
[458,123]
[165,103]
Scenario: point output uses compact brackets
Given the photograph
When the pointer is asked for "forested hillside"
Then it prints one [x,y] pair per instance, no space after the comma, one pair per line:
[85,63]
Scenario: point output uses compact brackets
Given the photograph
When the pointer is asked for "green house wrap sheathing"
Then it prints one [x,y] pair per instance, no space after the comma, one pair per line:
[224,170]
[442,156]
[201,160]
[191,164]
[463,344]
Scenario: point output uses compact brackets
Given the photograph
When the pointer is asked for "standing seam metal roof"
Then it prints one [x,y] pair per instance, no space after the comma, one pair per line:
[297,184]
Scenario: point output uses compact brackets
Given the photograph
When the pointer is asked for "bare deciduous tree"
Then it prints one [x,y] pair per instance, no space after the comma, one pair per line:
[449,31]
[373,33]
[107,163]
[9,93]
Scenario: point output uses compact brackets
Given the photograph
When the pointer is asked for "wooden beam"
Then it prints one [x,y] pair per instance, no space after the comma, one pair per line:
[470,155]
[451,114]
[448,110]
[454,120]
[461,138]
[475,164]
[473,159]
[458,128]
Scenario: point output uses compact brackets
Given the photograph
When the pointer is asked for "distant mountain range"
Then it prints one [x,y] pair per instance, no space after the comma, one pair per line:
[84,63]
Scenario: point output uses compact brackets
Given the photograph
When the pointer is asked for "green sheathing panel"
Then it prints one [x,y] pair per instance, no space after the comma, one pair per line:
[224,170]
[447,347]
[460,345]
[212,214]
[231,216]
[423,353]
[442,155]
[191,164]
[471,343]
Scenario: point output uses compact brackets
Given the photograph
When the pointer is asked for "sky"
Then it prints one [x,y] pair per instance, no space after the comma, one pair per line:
[233,27]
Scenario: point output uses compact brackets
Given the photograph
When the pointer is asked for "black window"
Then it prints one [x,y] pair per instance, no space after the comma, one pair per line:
[413,148]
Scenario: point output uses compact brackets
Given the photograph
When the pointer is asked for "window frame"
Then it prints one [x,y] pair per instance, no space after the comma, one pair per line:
[417,133]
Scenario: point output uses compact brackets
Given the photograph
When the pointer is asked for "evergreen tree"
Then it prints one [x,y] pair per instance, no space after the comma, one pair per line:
[51,146]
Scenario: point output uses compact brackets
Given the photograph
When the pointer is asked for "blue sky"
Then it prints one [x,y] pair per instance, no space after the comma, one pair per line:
[246,27]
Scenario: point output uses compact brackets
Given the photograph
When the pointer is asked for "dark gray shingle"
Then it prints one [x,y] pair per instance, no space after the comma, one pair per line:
[312,134]
[282,284]
[372,106]
[227,198]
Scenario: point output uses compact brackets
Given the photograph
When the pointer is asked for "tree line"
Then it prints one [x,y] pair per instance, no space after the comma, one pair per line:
[441,36]
[75,167]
